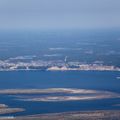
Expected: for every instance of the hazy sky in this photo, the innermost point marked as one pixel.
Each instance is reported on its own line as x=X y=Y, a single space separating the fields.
x=59 y=13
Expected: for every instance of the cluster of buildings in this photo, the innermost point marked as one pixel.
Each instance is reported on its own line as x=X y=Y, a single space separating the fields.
x=53 y=66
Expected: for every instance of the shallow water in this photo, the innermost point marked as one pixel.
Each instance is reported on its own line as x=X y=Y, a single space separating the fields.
x=95 y=80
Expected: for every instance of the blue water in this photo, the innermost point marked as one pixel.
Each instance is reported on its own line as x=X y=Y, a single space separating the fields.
x=32 y=108
x=67 y=79
x=105 y=47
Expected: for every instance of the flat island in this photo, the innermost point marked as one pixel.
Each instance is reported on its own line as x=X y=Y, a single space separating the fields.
x=4 y=109
x=58 y=94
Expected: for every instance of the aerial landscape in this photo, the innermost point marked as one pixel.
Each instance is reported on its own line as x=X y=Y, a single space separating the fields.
x=59 y=60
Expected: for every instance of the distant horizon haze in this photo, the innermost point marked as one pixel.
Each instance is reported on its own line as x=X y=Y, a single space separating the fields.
x=59 y=14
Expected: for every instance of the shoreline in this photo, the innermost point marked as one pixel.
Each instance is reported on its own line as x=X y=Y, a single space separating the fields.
x=78 y=115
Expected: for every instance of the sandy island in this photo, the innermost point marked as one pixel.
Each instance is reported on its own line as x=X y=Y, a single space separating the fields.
x=4 y=109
